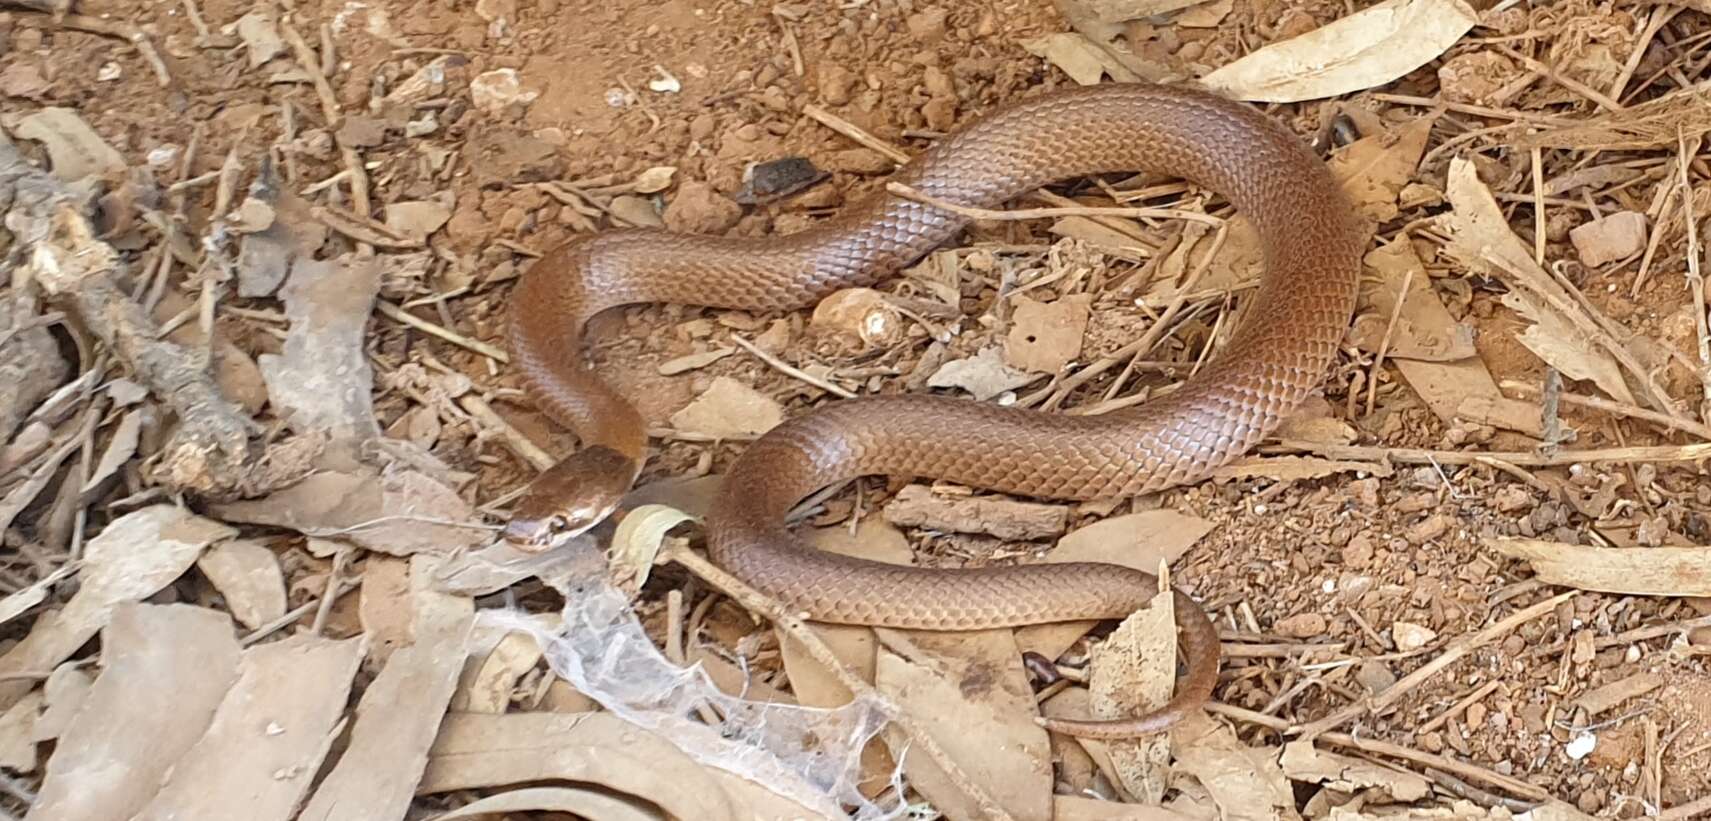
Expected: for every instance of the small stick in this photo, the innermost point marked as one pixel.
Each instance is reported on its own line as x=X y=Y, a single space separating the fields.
x=1418 y=456
x=107 y=28
x=1384 y=344
x=1652 y=632
x=394 y=312
x=854 y=132
x=1385 y=748
x=514 y=439
x=299 y=612
x=1617 y=409
x=311 y=65
x=796 y=628
x=787 y=369
x=1452 y=654
x=334 y=579
x=908 y=193
x=1538 y=163
x=1462 y=789
x=1456 y=709
x=1563 y=80
x=1695 y=278
x=1692 y=809
x=1477 y=110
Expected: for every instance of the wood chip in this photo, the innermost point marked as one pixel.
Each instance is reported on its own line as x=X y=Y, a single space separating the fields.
x=918 y=506
x=1597 y=702
x=1637 y=571
x=1610 y=238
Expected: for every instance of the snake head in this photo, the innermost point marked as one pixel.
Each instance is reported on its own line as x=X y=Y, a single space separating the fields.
x=570 y=498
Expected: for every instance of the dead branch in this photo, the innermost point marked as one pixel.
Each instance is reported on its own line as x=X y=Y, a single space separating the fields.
x=209 y=453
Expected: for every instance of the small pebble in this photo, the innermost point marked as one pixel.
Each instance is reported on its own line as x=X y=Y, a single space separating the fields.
x=1302 y=626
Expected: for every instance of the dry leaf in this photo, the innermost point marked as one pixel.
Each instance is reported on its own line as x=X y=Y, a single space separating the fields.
x=582 y=803
x=417 y=219
x=1134 y=672
x=1368 y=48
x=476 y=751
x=636 y=544
x=861 y=313
x=133 y=558
x=396 y=723
x=18 y=733
x=1455 y=390
x=1302 y=761
x=673 y=367
x=492 y=91
x=500 y=659
x=399 y=514
x=1084 y=62
x=119 y=450
x=164 y=671
x=1245 y=782
x=969 y=692
x=655 y=179
x=268 y=737
x=1636 y=571
x=1480 y=238
x=249 y=578
x=74 y=149
x=1081 y=808
x=1234 y=263
x=384 y=607
x=66 y=690
x=19 y=603
x=1599 y=701
x=983 y=375
x=261 y=37
x=1374 y=169
x=1121 y=11
x=1046 y=336
x=322 y=381
x=729 y=408
x=1205 y=15
x=1424 y=330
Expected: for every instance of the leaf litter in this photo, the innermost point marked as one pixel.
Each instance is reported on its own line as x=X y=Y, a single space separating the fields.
x=1529 y=297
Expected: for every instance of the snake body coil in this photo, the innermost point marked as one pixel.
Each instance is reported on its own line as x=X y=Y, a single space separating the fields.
x=1312 y=246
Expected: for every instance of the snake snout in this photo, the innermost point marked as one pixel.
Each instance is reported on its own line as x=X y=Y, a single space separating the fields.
x=570 y=498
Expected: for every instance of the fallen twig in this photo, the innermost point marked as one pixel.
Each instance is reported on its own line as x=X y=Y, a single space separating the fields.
x=209 y=451
x=908 y=193
x=1618 y=409
x=787 y=369
x=1457 y=649
x=1384 y=748
x=1419 y=456
x=106 y=28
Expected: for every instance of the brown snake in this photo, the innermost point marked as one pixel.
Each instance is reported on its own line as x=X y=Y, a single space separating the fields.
x=1279 y=354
